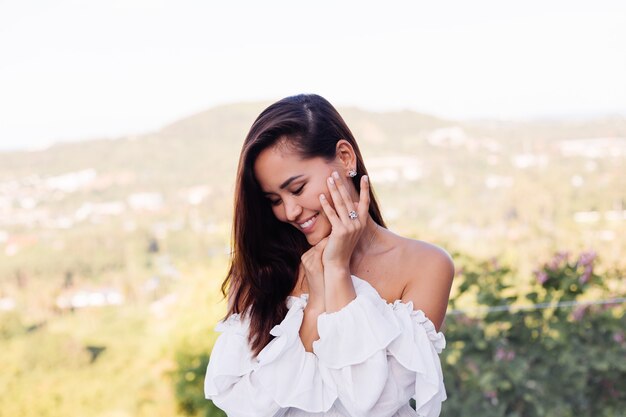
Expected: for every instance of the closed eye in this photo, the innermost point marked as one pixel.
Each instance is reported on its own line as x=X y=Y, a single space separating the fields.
x=299 y=190
x=296 y=192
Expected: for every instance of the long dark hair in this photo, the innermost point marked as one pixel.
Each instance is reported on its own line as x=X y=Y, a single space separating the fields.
x=266 y=252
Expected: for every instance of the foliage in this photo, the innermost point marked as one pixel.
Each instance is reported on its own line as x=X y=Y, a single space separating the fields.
x=193 y=340
x=51 y=371
x=526 y=362
x=189 y=379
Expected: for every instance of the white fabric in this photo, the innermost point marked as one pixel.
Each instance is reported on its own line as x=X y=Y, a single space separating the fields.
x=371 y=358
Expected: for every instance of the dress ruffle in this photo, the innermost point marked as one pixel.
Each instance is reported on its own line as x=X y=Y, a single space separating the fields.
x=235 y=359
x=356 y=332
x=283 y=371
x=368 y=328
x=417 y=349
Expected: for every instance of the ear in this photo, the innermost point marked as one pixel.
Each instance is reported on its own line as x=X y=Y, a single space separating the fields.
x=345 y=156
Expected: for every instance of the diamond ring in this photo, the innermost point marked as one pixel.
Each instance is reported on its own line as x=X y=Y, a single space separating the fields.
x=352 y=214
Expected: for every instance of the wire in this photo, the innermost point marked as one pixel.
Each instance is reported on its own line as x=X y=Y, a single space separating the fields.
x=540 y=306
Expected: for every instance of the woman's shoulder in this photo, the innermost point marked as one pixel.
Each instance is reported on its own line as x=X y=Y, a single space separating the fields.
x=427 y=271
x=426 y=253
x=415 y=256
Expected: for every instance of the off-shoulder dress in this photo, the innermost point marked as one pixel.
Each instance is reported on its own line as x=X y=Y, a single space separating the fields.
x=372 y=357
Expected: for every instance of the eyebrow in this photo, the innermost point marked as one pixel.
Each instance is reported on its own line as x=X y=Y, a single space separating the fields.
x=286 y=183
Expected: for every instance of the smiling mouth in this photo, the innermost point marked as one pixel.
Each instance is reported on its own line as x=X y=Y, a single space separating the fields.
x=307 y=224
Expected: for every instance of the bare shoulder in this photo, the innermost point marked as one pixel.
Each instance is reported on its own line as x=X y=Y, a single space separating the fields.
x=426 y=261
x=428 y=270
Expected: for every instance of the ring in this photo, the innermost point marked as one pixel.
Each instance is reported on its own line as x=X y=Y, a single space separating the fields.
x=352 y=214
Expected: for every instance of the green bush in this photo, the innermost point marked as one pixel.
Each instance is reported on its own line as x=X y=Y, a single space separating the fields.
x=189 y=378
x=548 y=360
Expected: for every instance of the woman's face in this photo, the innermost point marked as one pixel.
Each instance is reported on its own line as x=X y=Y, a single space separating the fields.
x=292 y=186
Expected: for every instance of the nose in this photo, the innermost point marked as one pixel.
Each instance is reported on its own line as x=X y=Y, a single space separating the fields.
x=292 y=210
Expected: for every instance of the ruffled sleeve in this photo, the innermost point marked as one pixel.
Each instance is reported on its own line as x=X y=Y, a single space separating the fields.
x=380 y=355
x=282 y=375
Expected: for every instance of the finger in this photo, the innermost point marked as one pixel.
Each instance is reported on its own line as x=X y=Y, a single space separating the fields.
x=343 y=191
x=340 y=205
x=364 y=197
x=330 y=213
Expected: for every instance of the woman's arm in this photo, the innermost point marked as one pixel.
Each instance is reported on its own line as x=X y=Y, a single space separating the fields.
x=429 y=285
x=308 y=330
x=338 y=288
x=313 y=272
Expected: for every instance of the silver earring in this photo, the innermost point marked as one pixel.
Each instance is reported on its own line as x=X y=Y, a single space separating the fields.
x=352 y=173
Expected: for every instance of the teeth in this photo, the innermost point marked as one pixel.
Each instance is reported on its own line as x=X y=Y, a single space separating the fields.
x=307 y=223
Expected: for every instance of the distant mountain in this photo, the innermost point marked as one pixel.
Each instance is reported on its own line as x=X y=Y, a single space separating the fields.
x=201 y=147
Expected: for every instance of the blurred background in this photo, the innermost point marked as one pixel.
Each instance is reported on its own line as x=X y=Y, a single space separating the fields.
x=496 y=130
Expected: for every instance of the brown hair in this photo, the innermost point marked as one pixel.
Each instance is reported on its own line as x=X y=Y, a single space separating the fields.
x=266 y=252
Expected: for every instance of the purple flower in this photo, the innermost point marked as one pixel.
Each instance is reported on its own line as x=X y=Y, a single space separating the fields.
x=494 y=263
x=471 y=365
x=609 y=305
x=564 y=255
x=553 y=265
x=587 y=258
x=586 y=274
x=503 y=354
x=557 y=260
x=579 y=313
x=542 y=276
x=618 y=337
x=492 y=396
x=466 y=321
x=500 y=354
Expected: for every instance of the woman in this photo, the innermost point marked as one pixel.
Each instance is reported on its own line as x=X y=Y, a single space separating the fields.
x=321 y=294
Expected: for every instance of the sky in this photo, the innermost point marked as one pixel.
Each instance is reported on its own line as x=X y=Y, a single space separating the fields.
x=77 y=70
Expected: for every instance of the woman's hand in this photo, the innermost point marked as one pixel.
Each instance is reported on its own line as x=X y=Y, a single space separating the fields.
x=314 y=273
x=346 y=232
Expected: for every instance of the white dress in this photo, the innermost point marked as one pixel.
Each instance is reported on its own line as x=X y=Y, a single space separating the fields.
x=370 y=359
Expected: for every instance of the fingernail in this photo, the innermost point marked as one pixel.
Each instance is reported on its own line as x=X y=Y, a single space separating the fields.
x=322 y=197
x=365 y=178
x=336 y=174
x=331 y=180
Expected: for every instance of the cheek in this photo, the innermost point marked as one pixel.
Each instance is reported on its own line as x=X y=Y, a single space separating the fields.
x=323 y=189
x=279 y=213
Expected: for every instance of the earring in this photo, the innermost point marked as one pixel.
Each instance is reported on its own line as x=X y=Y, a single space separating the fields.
x=352 y=173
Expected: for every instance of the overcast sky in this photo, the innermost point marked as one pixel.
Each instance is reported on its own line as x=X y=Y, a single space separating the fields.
x=74 y=70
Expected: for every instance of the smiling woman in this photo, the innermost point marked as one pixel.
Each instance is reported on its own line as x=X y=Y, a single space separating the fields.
x=329 y=311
